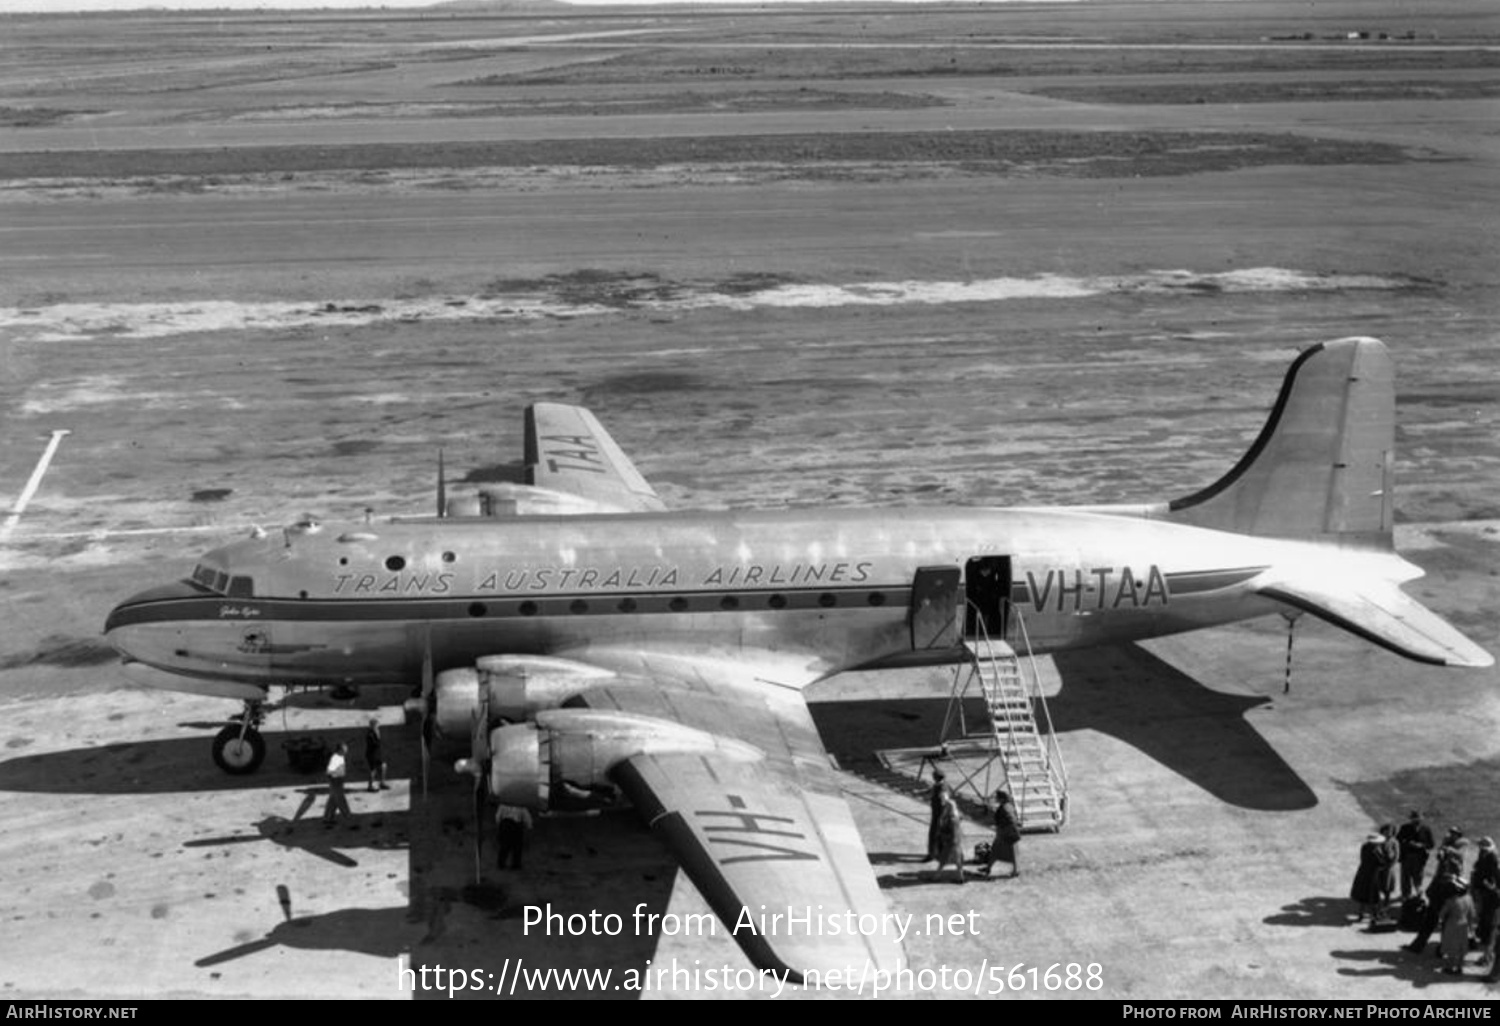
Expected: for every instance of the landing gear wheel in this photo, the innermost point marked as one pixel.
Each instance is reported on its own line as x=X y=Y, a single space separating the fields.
x=239 y=755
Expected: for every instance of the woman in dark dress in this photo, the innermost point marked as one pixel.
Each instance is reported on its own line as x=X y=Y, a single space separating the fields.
x=1368 y=878
x=1392 y=858
x=950 y=839
x=1007 y=834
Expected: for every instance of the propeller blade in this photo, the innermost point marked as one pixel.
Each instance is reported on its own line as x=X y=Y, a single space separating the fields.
x=480 y=793
x=442 y=491
x=429 y=700
x=479 y=754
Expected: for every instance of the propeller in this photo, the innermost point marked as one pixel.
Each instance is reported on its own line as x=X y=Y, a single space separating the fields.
x=481 y=796
x=429 y=708
x=423 y=707
x=481 y=757
x=478 y=766
x=442 y=489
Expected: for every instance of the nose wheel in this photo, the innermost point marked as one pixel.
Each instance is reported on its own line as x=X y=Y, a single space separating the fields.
x=238 y=748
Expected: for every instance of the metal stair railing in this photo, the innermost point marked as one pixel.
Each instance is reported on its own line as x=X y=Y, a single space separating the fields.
x=1057 y=767
x=959 y=743
x=1031 y=763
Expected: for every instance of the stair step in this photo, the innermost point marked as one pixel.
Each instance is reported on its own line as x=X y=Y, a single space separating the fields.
x=1014 y=737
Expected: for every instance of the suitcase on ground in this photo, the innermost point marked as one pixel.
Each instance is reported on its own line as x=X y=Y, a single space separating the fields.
x=1412 y=911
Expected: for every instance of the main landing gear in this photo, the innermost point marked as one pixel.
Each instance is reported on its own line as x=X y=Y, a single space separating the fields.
x=238 y=748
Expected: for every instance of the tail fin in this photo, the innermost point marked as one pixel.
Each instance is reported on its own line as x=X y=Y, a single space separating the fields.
x=1321 y=468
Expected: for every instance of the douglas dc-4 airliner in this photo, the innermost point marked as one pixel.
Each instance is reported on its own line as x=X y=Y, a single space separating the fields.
x=602 y=644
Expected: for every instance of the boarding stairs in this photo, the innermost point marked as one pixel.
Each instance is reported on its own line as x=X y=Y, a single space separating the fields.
x=1016 y=748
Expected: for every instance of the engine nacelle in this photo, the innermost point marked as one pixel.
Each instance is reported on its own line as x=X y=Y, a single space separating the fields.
x=519 y=772
x=564 y=760
x=542 y=769
x=520 y=686
x=456 y=697
x=515 y=687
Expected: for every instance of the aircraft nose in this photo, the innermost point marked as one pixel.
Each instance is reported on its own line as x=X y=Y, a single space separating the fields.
x=145 y=607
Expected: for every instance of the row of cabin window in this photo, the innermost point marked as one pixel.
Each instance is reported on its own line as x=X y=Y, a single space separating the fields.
x=678 y=604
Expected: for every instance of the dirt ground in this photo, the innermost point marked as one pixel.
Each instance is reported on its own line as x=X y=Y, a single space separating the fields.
x=261 y=265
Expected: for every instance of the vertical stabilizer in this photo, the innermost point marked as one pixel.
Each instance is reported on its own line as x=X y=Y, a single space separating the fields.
x=1321 y=468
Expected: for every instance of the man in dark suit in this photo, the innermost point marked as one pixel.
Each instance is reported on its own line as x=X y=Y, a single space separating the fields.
x=936 y=799
x=1416 y=840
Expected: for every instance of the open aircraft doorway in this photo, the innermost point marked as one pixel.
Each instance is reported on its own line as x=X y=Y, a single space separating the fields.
x=987 y=591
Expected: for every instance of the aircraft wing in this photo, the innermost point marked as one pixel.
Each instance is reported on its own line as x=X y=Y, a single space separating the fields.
x=568 y=451
x=769 y=842
x=1377 y=610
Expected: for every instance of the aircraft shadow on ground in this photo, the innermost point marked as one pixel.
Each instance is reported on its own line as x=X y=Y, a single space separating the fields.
x=306 y=831
x=384 y=933
x=179 y=764
x=594 y=866
x=609 y=864
x=1202 y=734
x=419 y=935
x=463 y=910
x=1123 y=691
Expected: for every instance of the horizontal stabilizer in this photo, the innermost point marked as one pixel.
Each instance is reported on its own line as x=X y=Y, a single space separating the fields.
x=1378 y=611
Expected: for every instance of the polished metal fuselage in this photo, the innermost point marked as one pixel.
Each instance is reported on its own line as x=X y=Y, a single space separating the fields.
x=822 y=590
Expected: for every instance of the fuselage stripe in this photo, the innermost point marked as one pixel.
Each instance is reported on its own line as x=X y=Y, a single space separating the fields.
x=477 y=607
x=486 y=606
x=1191 y=582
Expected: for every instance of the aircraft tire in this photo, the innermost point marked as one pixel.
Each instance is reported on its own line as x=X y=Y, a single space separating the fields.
x=238 y=756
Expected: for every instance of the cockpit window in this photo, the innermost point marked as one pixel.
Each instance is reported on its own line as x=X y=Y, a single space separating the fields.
x=219 y=582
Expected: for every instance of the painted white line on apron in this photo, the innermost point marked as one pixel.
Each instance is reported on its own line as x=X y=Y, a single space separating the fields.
x=31 y=486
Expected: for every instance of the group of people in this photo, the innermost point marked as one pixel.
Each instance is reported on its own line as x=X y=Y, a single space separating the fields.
x=1464 y=911
x=337 y=771
x=945 y=836
x=511 y=822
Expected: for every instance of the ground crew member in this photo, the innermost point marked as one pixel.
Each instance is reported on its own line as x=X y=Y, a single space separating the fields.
x=338 y=767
